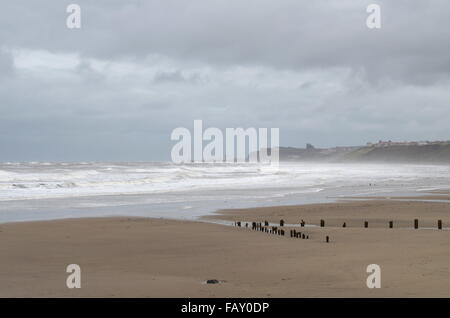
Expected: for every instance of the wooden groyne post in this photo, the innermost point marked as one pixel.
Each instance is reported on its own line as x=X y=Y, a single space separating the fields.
x=416 y=223
x=391 y=224
x=366 y=224
x=439 y=224
x=322 y=223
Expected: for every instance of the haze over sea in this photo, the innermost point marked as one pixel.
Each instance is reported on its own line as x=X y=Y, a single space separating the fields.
x=42 y=191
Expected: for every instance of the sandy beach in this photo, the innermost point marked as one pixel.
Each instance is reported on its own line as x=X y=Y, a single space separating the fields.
x=141 y=257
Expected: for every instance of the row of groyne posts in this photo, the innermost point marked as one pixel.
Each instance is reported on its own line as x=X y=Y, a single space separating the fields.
x=391 y=224
x=266 y=228
x=258 y=226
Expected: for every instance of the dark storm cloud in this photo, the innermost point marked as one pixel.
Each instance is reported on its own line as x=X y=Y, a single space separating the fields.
x=138 y=69
x=412 y=44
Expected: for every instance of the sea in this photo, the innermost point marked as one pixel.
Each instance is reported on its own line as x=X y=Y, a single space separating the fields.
x=34 y=191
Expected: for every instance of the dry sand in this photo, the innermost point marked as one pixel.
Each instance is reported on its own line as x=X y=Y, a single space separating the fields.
x=138 y=257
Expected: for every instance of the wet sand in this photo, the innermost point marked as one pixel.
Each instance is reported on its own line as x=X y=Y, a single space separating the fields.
x=354 y=213
x=138 y=257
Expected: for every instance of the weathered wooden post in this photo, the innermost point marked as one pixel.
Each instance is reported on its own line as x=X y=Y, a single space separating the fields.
x=281 y=222
x=303 y=236
x=391 y=224
x=282 y=232
x=302 y=223
x=266 y=223
x=439 y=224
x=416 y=223
x=366 y=224
x=344 y=225
x=322 y=223
x=327 y=239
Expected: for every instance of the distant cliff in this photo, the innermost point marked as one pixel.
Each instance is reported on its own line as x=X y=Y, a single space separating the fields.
x=428 y=153
x=394 y=152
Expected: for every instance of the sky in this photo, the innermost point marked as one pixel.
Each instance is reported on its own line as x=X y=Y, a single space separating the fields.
x=115 y=89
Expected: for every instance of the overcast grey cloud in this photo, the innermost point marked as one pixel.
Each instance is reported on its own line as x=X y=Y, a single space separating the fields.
x=115 y=89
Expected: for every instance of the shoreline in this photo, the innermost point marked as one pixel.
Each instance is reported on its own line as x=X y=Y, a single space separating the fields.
x=435 y=195
x=145 y=257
